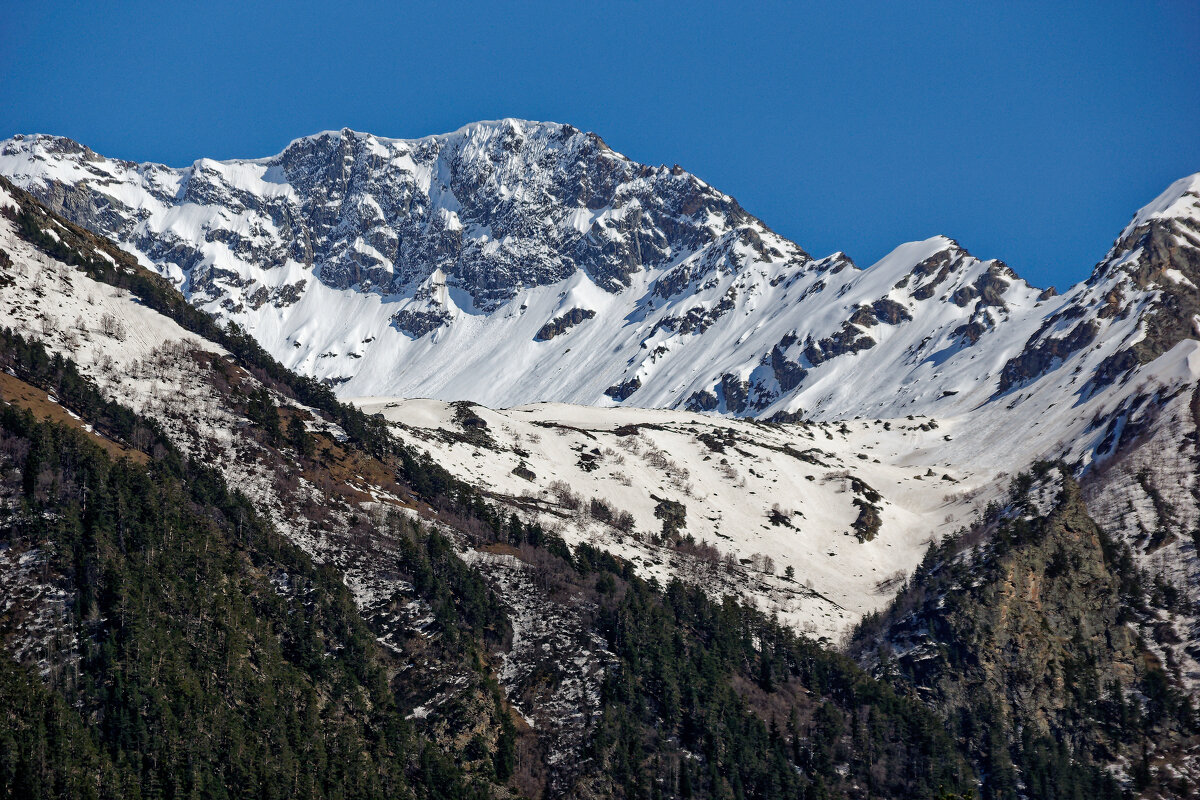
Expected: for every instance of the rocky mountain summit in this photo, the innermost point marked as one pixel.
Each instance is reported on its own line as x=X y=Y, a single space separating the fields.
x=511 y=262
x=968 y=481
x=499 y=206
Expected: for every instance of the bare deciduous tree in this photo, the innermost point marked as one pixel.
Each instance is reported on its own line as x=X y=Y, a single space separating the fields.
x=113 y=327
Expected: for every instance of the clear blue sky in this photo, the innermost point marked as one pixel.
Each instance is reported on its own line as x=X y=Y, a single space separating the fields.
x=1029 y=133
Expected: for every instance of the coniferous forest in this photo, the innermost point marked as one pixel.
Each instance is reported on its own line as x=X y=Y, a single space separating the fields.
x=757 y=526
x=200 y=655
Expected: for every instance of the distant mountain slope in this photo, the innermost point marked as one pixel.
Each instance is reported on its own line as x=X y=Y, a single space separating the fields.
x=813 y=522
x=511 y=262
x=215 y=580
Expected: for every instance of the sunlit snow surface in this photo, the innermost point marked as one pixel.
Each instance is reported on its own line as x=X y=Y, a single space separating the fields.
x=934 y=475
x=720 y=298
x=723 y=304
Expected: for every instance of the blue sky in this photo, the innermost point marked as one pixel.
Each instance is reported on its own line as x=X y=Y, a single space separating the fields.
x=1029 y=132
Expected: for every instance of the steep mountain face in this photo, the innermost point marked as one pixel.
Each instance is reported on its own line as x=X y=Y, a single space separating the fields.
x=500 y=206
x=511 y=262
x=1033 y=633
x=219 y=581
x=502 y=209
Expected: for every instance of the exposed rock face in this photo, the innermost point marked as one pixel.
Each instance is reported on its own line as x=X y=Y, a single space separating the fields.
x=430 y=267
x=418 y=323
x=1007 y=623
x=848 y=340
x=497 y=206
x=624 y=390
x=563 y=323
x=1039 y=358
x=702 y=401
x=889 y=311
x=788 y=373
x=1164 y=257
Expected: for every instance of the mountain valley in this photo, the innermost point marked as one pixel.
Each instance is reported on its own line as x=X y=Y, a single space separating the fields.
x=595 y=485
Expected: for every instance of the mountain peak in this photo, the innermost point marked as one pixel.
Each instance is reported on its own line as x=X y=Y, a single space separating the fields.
x=919 y=252
x=1180 y=200
x=512 y=242
x=43 y=144
x=478 y=127
x=1164 y=231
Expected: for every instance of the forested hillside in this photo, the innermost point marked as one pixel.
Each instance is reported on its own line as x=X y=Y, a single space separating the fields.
x=1025 y=633
x=183 y=613
x=220 y=581
x=174 y=643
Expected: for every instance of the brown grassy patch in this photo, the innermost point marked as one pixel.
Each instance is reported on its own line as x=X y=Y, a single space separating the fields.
x=19 y=393
x=501 y=549
x=346 y=471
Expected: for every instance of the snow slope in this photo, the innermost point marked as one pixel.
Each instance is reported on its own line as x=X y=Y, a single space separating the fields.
x=791 y=492
x=730 y=476
x=515 y=262
x=512 y=262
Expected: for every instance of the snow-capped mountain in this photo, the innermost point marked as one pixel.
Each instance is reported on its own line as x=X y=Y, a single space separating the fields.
x=347 y=245
x=928 y=381
x=511 y=262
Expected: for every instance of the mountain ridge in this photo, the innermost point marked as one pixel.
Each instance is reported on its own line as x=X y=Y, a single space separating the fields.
x=674 y=267
x=543 y=497
x=715 y=313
